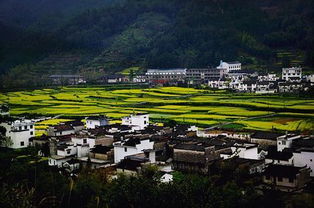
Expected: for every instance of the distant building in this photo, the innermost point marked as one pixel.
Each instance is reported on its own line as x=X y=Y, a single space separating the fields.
x=230 y=66
x=266 y=88
x=200 y=76
x=19 y=132
x=290 y=87
x=140 y=79
x=139 y=121
x=287 y=178
x=222 y=83
x=265 y=138
x=267 y=77
x=310 y=79
x=163 y=76
x=114 y=79
x=197 y=156
x=292 y=74
x=93 y=122
x=65 y=79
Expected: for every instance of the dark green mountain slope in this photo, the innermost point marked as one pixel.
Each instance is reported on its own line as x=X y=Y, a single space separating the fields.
x=183 y=33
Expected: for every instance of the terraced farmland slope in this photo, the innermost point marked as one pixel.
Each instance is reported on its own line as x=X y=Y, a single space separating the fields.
x=186 y=105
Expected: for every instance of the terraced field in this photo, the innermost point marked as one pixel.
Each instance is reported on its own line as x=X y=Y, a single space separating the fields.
x=186 y=105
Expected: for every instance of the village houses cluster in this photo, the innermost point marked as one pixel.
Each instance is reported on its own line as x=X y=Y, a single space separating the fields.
x=283 y=160
x=228 y=75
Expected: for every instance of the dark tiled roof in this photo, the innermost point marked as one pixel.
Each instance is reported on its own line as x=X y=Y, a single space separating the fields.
x=266 y=135
x=74 y=123
x=128 y=164
x=196 y=147
x=284 y=155
x=282 y=171
x=239 y=161
x=303 y=143
x=101 y=149
x=62 y=127
x=132 y=142
x=96 y=117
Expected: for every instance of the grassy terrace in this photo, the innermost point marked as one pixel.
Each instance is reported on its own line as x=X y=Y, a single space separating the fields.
x=187 y=105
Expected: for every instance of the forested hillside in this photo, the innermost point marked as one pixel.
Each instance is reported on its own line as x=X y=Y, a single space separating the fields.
x=113 y=35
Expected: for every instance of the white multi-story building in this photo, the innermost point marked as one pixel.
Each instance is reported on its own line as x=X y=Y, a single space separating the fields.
x=19 y=132
x=292 y=74
x=139 y=121
x=162 y=76
x=131 y=146
x=230 y=66
x=96 y=121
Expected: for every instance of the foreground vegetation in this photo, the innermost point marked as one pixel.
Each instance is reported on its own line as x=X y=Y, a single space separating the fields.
x=27 y=181
x=185 y=105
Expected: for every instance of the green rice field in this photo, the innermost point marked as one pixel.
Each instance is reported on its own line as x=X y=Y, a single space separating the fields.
x=184 y=105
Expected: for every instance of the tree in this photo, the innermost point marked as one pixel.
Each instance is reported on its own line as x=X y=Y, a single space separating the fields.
x=4 y=140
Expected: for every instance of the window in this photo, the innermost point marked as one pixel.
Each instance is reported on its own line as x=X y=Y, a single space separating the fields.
x=280 y=179
x=145 y=122
x=68 y=151
x=283 y=142
x=20 y=128
x=125 y=149
x=84 y=141
x=311 y=160
x=31 y=133
x=31 y=126
x=22 y=144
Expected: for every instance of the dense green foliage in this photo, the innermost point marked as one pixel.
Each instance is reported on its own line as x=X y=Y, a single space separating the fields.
x=26 y=181
x=178 y=33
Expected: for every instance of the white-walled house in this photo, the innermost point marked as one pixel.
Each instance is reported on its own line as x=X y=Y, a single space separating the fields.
x=58 y=161
x=242 y=150
x=83 y=140
x=304 y=157
x=139 y=121
x=279 y=158
x=268 y=77
x=246 y=151
x=19 y=132
x=230 y=66
x=96 y=121
x=60 y=130
x=291 y=74
x=66 y=152
x=265 y=88
x=303 y=153
x=131 y=146
x=285 y=141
